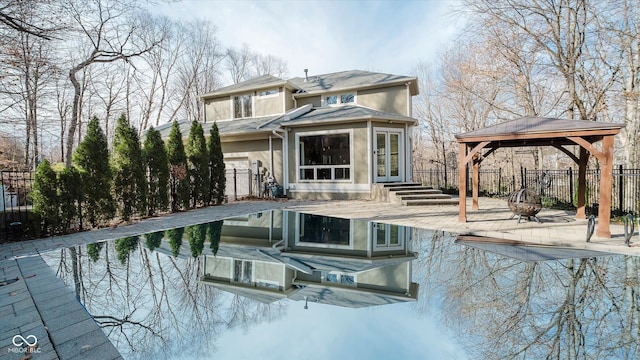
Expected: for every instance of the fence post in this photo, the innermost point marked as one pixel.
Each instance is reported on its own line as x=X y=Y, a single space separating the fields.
x=235 y=184
x=620 y=190
x=570 y=185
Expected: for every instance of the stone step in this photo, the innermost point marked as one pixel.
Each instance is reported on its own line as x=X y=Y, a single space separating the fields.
x=405 y=184
x=425 y=197
x=430 y=202
x=417 y=192
x=408 y=188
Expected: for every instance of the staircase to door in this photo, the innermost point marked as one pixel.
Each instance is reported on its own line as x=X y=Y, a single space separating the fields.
x=411 y=194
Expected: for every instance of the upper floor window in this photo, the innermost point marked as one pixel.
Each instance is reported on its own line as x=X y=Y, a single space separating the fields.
x=268 y=92
x=347 y=98
x=242 y=106
x=339 y=99
x=331 y=100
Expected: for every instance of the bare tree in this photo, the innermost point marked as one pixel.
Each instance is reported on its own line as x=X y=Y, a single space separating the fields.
x=111 y=34
x=43 y=24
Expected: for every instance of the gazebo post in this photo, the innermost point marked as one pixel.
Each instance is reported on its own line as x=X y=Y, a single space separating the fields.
x=582 y=180
x=606 y=179
x=462 y=183
x=475 y=182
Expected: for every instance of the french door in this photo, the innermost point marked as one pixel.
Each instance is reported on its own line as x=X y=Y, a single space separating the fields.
x=388 y=154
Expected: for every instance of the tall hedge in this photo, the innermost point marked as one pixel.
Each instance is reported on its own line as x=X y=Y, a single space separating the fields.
x=45 y=196
x=70 y=194
x=155 y=156
x=129 y=175
x=218 y=178
x=198 y=165
x=92 y=159
x=178 y=171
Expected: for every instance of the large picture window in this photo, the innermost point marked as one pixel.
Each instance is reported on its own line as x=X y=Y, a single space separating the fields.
x=325 y=157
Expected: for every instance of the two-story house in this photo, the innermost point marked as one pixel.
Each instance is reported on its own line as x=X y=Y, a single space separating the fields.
x=329 y=136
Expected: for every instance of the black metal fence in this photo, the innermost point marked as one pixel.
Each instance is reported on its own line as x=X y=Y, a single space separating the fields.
x=239 y=183
x=559 y=186
x=15 y=204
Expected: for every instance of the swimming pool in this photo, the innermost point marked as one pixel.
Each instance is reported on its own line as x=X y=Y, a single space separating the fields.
x=282 y=284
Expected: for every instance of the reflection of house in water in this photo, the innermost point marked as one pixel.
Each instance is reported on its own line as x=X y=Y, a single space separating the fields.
x=285 y=254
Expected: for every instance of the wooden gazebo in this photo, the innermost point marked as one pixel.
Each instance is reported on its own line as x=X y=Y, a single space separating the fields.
x=476 y=145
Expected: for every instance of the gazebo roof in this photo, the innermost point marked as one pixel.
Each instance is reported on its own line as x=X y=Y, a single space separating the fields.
x=539 y=128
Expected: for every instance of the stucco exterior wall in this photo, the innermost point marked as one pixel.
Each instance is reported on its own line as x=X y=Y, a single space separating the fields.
x=392 y=278
x=268 y=271
x=218 y=109
x=268 y=105
x=252 y=150
x=288 y=100
x=218 y=267
x=315 y=101
x=390 y=99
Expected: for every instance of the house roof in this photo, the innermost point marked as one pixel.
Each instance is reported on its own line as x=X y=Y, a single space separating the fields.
x=352 y=79
x=228 y=127
x=314 y=116
x=534 y=126
x=345 y=263
x=349 y=297
x=333 y=82
x=343 y=113
x=251 y=84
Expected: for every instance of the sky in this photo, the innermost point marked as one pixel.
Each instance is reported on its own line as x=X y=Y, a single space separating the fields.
x=330 y=36
x=323 y=331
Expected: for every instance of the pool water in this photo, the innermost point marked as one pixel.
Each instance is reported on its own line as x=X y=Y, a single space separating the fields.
x=287 y=285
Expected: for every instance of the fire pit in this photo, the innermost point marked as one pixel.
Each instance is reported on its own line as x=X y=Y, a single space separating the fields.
x=525 y=202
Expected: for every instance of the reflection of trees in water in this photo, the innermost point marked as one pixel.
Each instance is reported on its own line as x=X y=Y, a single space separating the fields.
x=152 y=306
x=505 y=308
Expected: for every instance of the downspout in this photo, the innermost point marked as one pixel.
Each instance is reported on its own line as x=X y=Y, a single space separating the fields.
x=409 y=107
x=408 y=170
x=285 y=150
x=204 y=111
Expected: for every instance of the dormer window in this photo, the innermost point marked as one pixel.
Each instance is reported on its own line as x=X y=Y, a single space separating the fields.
x=242 y=106
x=339 y=99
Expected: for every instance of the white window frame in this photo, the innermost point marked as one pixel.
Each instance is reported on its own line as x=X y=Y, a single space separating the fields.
x=274 y=94
x=333 y=168
x=339 y=276
x=242 y=102
x=242 y=268
x=387 y=245
x=323 y=99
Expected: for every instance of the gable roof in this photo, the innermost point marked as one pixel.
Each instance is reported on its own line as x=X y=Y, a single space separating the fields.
x=528 y=126
x=252 y=84
x=352 y=79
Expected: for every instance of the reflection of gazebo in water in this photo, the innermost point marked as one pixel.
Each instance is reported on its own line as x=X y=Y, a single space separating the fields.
x=535 y=131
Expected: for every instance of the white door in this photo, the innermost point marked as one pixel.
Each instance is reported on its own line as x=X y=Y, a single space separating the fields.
x=388 y=154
